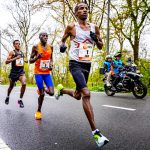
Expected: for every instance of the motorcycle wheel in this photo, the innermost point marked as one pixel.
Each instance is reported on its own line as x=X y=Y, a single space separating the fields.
x=108 y=92
x=140 y=91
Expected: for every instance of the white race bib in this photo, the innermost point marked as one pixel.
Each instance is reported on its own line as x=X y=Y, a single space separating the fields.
x=44 y=64
x=85 y=51
x=19 y=62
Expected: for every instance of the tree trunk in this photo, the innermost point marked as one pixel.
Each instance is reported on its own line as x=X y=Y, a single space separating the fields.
x=136 y=48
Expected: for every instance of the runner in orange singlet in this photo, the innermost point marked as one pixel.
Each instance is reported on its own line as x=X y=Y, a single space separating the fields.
x=42 y=57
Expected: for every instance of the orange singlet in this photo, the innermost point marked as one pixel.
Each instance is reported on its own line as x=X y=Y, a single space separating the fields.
x=42 y=64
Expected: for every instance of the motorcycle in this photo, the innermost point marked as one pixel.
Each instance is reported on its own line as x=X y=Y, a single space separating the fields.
x=129 y=81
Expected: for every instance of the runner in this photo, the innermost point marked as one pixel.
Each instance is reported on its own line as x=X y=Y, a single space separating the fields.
x=42 y=56
x=16 y=58
x=83 y=36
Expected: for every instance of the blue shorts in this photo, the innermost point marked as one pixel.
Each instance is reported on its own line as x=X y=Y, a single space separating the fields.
x=43 y=78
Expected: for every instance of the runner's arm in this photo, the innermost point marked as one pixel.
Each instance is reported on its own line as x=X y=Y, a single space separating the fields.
x=11 y=57
x=99 y=44
x=51 y=59
x=66 y=34
x=34 y=55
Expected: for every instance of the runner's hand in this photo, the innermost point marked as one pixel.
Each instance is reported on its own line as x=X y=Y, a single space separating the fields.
x=18 y=57
x=40 y=55
x=63 y=48
x=51 y=66
x=93 y=36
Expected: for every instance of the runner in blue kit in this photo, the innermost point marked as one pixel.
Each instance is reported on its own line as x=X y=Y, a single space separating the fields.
x=83 y=36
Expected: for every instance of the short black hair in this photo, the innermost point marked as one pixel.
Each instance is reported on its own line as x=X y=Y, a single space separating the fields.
x=42 y=33
x=77 y=6
x=15 y=41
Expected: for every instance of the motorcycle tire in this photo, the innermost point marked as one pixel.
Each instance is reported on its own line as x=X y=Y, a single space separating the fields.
x=144 y=90
x=108 y=92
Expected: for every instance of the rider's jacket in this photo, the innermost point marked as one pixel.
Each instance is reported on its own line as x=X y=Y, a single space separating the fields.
x=116 y=65
x=107 y=66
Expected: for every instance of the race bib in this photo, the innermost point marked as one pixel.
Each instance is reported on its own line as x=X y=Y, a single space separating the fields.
x=85 y=51
x=44 y=64
x=19 y=62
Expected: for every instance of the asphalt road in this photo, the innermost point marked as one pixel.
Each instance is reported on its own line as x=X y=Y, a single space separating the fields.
x=65 y=127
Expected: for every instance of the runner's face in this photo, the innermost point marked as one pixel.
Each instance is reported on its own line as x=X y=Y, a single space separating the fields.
x=82 y=12
x=44 y=37
x=17 y=45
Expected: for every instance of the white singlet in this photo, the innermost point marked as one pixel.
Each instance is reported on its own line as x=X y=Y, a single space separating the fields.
x=82 y=45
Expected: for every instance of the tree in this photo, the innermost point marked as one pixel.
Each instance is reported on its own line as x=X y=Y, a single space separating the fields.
x=130 y=20
x=22 y=12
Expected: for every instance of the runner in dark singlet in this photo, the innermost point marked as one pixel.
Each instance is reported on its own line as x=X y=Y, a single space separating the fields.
x=16 y=58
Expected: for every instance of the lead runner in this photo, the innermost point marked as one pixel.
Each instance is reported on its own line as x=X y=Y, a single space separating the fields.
x=83 y=36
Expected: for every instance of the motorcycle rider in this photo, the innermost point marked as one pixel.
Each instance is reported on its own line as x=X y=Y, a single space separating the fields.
x=132 y=66
x=107 y=69
x=116 y=64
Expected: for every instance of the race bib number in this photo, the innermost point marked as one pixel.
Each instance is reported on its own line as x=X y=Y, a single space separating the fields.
x=44 y=64
x=85 y=52
x=19 y=62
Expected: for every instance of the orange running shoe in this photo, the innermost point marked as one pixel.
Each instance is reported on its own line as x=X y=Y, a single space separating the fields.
x=38 y=115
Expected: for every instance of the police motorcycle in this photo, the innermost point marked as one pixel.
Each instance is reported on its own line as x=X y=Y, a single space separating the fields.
x=129 y=81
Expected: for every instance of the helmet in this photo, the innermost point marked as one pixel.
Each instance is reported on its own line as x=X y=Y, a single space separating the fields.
x=108 y=57
x=118 y=54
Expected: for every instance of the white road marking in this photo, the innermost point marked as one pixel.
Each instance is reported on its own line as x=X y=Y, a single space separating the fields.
x=3 y=146
x=49 y=97
x=130 y=109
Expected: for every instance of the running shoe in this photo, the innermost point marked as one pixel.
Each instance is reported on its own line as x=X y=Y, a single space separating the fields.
x=38 y=115
x=20 y=102
x=7 y=100
x=100 y=139
x=59 y=93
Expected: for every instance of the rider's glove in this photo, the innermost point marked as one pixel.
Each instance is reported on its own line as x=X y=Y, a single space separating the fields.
x=63 y=48
x=93 y=36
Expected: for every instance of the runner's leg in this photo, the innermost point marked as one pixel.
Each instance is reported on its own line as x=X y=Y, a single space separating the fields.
x=88 y=107
x=11 y=85
x=39 y=82
x=49 y=84
x=22 y=79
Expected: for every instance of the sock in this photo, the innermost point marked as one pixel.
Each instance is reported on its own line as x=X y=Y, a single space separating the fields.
x=93 y=132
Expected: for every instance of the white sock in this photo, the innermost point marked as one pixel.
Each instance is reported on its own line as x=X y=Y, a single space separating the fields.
x=93 y=132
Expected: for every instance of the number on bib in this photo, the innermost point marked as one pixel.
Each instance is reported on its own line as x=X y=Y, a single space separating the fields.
x=19 y=62
x=44 y=64
x=85 y=51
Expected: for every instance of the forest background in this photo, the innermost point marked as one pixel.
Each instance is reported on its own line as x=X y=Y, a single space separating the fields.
x=129 y=33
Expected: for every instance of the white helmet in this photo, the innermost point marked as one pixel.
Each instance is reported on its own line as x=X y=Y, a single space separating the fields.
x=108 y=57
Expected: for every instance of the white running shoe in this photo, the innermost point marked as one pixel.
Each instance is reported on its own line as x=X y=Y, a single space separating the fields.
x=100 y=139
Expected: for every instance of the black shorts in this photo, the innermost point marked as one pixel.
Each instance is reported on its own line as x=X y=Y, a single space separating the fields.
x=15 y=76
x=80 y=72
